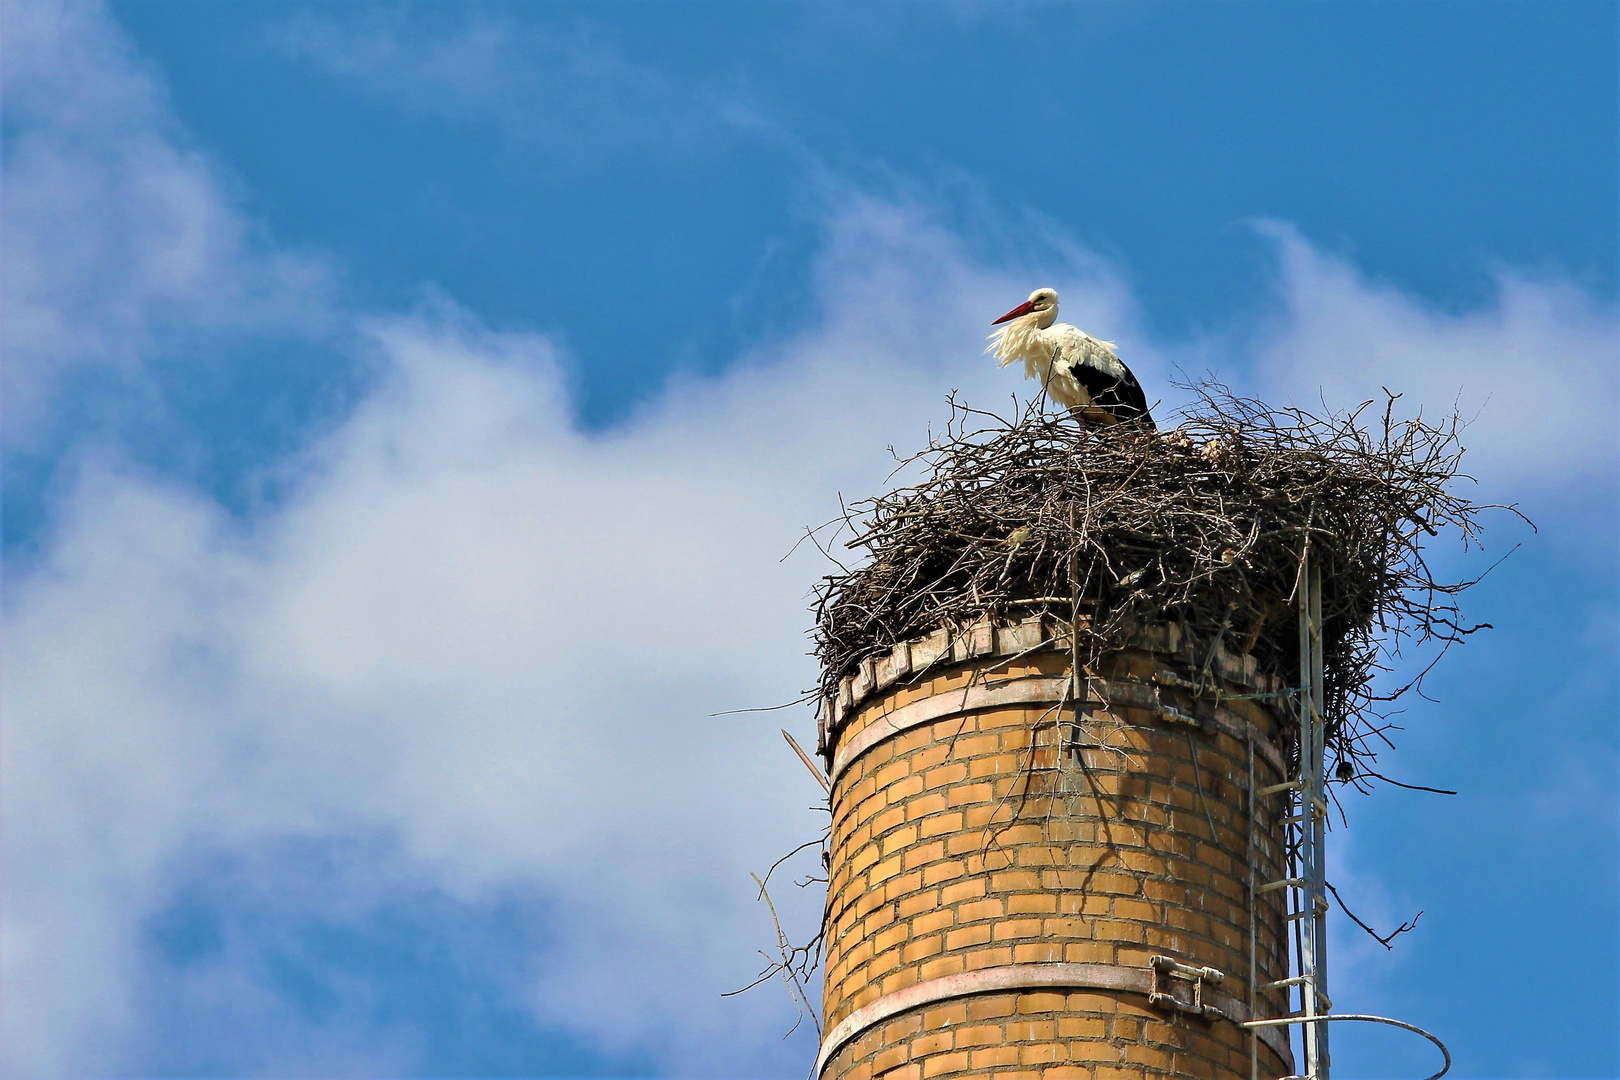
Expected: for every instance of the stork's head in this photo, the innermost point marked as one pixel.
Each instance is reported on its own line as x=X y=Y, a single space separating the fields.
x=1042 y=304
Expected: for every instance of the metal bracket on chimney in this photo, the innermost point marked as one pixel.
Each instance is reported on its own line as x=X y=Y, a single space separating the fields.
x=1167 y=975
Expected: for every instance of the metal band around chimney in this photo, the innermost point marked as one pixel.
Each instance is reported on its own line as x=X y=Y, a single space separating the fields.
x=1047 y=691
x=986 y=695
x=1021 y=978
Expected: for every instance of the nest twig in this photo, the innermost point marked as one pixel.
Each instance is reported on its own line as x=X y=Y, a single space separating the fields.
x=1203 y=525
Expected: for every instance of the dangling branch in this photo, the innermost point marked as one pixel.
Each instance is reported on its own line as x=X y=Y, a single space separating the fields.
x=1382 y=939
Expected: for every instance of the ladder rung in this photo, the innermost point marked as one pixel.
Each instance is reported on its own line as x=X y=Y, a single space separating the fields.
x=1274 y=788
x=1301 y=980
x=1285 y=883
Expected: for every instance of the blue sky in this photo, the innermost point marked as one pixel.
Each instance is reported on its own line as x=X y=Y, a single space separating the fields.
x=406 y=409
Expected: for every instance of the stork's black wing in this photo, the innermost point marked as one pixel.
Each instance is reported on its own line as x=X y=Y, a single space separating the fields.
x=1122 y=397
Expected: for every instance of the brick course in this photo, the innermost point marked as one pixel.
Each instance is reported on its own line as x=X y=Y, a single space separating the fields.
x=1019 y=834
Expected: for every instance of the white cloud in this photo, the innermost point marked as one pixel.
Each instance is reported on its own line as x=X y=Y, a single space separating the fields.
x=117 y=231
x=570 y=89
x=483 y=632
x=1539 y=368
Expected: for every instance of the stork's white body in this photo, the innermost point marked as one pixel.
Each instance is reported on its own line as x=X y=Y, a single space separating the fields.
x=1051 y=353
x=1074 y=368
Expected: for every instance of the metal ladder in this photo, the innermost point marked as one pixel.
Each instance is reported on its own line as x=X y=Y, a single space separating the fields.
x=1307 y=828
x=1307 y=888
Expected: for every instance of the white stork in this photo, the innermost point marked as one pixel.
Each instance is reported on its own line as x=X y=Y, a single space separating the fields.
x=1075 y=368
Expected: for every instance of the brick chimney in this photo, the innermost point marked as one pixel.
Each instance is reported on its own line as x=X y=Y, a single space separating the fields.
x=1040 y=877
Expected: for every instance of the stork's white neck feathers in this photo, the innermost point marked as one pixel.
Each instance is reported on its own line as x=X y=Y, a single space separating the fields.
x=1021 y=339
x=1037 y=338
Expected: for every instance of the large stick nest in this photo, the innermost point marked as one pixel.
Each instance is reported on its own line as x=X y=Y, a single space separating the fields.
x=1204 y=525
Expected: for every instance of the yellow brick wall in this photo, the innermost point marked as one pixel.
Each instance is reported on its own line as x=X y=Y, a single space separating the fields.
x=1004 y=836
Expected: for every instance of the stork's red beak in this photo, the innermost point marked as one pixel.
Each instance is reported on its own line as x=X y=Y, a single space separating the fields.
x=1022 y=309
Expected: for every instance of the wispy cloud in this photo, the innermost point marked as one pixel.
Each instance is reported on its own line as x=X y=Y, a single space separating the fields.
x=481 y=632
x=119 y=234
x=1538 y=371
x=569 y=89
